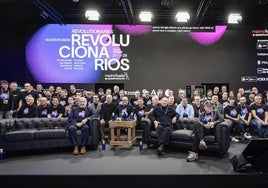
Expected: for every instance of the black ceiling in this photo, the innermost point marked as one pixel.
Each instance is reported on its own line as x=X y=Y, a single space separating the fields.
x=203 y=12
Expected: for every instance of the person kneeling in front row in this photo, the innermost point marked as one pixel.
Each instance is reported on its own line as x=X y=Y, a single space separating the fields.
x=79 y=120
x=206 y=125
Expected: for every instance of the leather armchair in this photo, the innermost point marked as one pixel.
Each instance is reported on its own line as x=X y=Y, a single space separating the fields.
x=182 y=136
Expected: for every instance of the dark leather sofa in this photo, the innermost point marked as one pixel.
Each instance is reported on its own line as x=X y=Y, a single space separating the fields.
x=21 y=134
x=182 y=136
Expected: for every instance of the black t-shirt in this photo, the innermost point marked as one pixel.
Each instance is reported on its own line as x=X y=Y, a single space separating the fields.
x=6 y=100
x=243 y=111
x=147 y=101
x=42 y=111
x=260 y=110
x=231 y=111
x=56 y=111
x=27 y=111
x=140 y=112
x=23 y=95
x=64 y=101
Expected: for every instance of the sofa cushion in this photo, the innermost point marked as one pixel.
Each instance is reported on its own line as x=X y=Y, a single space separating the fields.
x=182 y=134
x=21 y=135
x=50 y=133
x=210 y=138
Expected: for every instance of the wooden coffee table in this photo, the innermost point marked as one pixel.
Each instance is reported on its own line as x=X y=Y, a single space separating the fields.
x=118 y=140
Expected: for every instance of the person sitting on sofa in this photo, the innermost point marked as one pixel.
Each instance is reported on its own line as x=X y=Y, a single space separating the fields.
x=184 y=109
x=79 y=119
x=163 y=118
x=206 y=124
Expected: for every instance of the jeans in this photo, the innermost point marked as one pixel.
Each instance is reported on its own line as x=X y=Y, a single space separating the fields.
x=257 y=126
x=84 y=133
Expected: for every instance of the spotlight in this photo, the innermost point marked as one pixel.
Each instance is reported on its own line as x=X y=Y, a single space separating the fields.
x=182 y=17
x=92 y=15
x=145 y=16
x=234 y=18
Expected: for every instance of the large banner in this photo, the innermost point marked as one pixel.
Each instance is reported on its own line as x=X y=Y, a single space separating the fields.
x=144 y=56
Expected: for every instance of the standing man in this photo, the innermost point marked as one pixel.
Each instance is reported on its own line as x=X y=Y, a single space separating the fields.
x=79 y=120
x=6 y=101
x=106 y=114
x=163 y=118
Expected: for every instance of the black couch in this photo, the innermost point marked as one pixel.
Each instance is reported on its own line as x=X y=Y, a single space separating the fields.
x=20 y=134
x=182 y=136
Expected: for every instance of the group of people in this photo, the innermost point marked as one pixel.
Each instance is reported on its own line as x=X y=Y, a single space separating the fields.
x=246 y=113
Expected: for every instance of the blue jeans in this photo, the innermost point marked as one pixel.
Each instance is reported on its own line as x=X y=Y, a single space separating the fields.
x=257 y=125
x=84 y=133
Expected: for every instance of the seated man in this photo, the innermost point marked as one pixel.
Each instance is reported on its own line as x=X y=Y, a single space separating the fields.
x=184 y=109
x=79 y=119
x=163 y=118
x=206 y=124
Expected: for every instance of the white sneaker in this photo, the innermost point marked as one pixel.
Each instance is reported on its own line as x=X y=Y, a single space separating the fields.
x=247 y=136
x=234 y=139
x=192 y=156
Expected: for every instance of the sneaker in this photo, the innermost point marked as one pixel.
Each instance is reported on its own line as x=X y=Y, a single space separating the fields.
x=161 y=150
x=247 y=136
x=234 y=139
x=202 y=145
x=192 y=156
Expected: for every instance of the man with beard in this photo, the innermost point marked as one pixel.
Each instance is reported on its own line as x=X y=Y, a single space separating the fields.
x=79 y=120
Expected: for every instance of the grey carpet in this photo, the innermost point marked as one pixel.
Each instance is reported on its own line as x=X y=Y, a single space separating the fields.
x=119 y=161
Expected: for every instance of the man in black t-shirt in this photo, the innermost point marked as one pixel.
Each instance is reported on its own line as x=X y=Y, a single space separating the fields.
x=29 y=92
x=6 y=101
x=260 y=117
x=43 y=108
x=56 y=110
x=29 y=109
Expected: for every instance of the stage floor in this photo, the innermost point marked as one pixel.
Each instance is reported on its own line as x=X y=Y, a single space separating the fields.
x=120 y=161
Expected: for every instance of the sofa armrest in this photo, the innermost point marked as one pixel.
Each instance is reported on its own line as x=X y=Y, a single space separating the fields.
x=6 y=125
x=147 y=128
x=94 y=125
x=223 y=136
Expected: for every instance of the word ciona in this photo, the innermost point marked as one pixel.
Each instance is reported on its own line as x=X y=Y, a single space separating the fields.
x=96 y=46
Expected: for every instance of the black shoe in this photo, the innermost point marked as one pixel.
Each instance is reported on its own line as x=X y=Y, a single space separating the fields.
x=161 y=150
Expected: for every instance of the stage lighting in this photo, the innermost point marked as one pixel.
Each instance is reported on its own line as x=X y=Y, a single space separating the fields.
x=145 y=16
x=92 y=15
x=182 y=17
x=234 y=18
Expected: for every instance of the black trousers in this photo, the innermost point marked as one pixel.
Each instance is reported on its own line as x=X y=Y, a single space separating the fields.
x=199 y=133
x=163 y=134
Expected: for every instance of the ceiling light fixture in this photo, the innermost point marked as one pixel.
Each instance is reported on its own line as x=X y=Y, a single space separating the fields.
x=145 y=16
x=92 y=15
x=234 y=18
x=182 y=17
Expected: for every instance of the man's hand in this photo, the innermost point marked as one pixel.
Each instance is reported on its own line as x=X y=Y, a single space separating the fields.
x=84 y=121
x=79 y=124
x=156 y=123
x=174 y=120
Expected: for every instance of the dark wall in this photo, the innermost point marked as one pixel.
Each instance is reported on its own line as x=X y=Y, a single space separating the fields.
x=157 y=60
